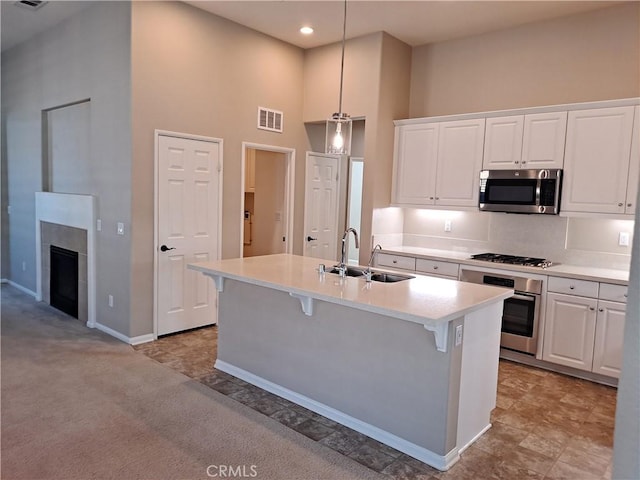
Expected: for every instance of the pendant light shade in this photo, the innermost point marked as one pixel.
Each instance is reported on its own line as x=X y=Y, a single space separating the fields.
x=338 y=132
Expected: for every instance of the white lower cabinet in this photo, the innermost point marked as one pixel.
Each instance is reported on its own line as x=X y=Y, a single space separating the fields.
x=585 y=332
x=570 y=330
x=395 y=261
x=607 y=350
x=423 y=266
x=437 y=268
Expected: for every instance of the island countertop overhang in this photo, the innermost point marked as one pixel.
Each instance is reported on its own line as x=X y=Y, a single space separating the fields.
x=423 y=299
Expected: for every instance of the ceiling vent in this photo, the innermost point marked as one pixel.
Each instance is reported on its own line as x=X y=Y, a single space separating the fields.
x=32 y=5
x=270 y=119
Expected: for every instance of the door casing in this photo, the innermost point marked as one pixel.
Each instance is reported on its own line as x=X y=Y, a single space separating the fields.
x=290 y=158
x=156 y=246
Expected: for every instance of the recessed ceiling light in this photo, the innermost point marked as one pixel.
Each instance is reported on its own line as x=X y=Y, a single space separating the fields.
x=306 y=30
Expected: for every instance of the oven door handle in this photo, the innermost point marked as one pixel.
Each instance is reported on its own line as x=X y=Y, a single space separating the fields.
x=521 y=296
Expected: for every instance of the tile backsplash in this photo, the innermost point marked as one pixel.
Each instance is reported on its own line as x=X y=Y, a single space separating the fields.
x=578 y=241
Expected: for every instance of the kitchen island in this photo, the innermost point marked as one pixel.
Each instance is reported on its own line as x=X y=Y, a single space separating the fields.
x=413 y=364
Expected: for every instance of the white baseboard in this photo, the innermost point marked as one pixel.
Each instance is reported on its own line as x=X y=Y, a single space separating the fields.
x=129 y=340
x=142 y=339
x=20 y=287
x=427 y=456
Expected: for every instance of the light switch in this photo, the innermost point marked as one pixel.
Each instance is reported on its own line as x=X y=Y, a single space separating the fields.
x=120 y=228
x=99 y=225
x=623 y=239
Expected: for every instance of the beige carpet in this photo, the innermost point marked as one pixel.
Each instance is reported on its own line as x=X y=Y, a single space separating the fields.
x=78 y=404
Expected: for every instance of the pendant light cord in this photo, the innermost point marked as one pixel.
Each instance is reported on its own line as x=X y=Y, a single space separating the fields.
x=344 y=34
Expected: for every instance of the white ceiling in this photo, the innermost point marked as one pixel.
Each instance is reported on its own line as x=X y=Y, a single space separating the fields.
x=415 y=22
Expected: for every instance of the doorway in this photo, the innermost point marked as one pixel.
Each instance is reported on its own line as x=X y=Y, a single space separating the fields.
x=267 y=200
x=188 y=200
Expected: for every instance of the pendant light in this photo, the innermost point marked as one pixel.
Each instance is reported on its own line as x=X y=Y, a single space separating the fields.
x=338 y=133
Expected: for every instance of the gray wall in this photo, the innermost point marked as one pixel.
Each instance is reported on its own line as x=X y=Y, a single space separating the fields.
x=626 y=461
x=578 y=58
x=197 y=73
x=86 y=56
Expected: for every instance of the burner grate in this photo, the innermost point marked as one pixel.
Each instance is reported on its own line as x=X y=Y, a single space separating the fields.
x=512 y=259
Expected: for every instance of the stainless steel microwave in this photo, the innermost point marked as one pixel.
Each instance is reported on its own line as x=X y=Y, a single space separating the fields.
x=520 y=191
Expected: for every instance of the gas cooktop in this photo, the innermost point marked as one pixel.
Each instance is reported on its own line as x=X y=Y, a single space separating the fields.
x=512 y=260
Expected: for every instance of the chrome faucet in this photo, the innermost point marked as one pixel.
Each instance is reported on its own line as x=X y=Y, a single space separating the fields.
x=367 y=272
x=342 y=268
x=373 y=252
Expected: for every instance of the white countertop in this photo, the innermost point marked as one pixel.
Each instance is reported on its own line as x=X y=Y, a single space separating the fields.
x=423 y=299
x=619 y=277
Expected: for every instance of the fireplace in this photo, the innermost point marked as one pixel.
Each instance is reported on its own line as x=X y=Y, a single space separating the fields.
x=63 y=280
x=67 y=221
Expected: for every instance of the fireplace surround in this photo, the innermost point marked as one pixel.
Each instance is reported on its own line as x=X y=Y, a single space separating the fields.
x=67 y=221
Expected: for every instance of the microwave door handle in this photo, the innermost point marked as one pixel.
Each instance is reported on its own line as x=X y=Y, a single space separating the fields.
x=538 y=188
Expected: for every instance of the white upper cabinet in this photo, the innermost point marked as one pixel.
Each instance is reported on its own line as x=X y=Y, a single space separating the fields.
x=525 y=141
x=503 y=143
x=597 y=160
x=459 y=163
x=543 y=141
x=438 y=163
x=634 y=167
x=414 y=164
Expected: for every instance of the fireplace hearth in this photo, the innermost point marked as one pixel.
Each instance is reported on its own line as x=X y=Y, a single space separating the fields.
x=64 y=280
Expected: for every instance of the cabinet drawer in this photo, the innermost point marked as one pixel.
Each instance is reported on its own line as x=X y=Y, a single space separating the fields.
x=583 y=288
x=396 y=261
x=437 y=267
x=613 y=293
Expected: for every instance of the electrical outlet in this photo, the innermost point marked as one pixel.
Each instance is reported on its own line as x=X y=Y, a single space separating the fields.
x=111 y=300
x=24 y=266
x=8 y=209
x=458 y=335
x=623 y=239
x=99 y=225
x=120 y=228
x=447 y=225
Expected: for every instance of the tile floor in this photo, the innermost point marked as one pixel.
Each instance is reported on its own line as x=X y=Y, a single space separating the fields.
x=545 y=425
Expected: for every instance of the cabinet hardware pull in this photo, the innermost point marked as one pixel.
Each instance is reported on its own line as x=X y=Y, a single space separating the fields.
x=591 y=308
x=571 y=287
x=629 y=204
x=620 y=204
x=435 y=267
x=601 y=309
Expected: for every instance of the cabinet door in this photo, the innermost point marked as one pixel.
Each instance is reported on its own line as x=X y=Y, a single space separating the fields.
x=607 y=350
x=569 y=330
x=503 y=143
x=597 y=160
x=414 y=165
x=634 y=166
x=543 y=140
x=459 y=162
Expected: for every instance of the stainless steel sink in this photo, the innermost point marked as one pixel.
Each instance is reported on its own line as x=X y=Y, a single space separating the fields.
x=389 y=277
x=351 y=271
x=376 y=276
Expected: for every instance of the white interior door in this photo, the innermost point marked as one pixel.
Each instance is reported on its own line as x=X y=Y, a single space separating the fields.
x=321 y=206
x=188 y=218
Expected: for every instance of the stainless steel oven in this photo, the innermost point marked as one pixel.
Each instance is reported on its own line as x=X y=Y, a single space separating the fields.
x=521 y=313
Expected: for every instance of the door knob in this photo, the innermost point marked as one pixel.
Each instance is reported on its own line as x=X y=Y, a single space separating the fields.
x=310 y=238
x=164 y=248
